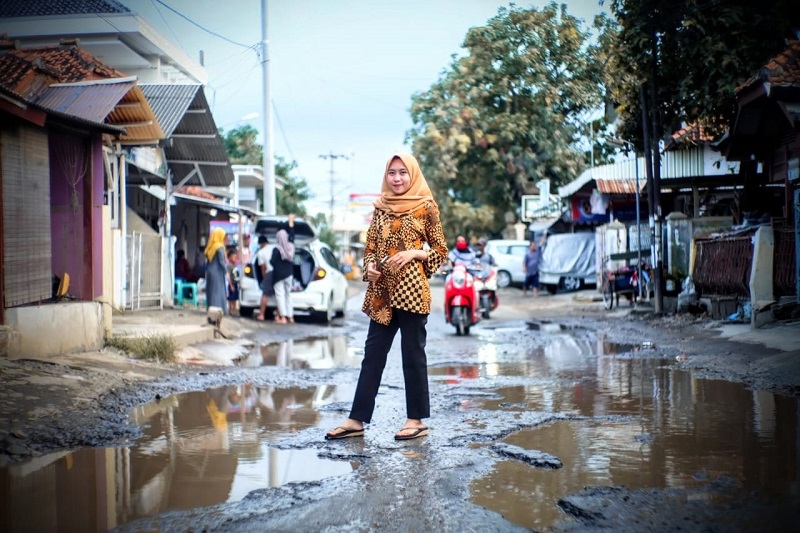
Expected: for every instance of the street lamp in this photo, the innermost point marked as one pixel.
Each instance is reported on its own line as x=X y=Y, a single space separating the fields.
x=620 y=143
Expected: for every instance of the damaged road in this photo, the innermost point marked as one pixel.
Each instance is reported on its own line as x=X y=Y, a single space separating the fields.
x=551 y=416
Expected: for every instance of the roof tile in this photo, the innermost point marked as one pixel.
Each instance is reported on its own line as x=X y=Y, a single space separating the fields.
x=44 y=8
x=28 y=72
x=782 y=70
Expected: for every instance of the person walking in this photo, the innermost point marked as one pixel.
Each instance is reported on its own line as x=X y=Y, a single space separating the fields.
x=398 y=297
x=216 y=271
x=282 y=262
x=530 y=266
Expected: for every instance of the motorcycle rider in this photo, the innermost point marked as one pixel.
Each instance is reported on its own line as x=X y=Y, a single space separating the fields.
x=485 y=259
x=462 y=254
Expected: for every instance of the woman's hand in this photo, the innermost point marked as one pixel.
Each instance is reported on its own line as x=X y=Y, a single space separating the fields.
x=373 y=274
x=401 y=259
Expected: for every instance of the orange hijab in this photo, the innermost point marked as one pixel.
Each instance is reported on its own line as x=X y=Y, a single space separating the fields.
x=416 y=196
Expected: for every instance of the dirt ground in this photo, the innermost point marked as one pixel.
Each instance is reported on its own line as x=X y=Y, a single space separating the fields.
x=85 y=399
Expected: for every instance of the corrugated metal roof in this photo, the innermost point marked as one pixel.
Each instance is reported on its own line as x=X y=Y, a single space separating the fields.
x=91 y=102
x=135 y=114
x=619 y=186
x=169 y=102
x=73 y=82
x=42 y=8
x=195 y=149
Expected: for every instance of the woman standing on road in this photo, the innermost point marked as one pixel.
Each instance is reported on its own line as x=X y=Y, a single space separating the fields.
x=282 y=262
x=398 y=296
x=217 y=270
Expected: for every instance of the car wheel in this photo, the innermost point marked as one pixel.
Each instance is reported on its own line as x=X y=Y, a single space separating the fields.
x=571 y=283
x=503 y=279
x=328 y=314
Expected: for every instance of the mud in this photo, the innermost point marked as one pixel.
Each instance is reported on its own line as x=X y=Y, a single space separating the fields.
x=87 y=400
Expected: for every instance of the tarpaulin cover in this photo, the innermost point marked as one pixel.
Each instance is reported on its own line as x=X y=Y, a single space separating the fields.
x=569 y=255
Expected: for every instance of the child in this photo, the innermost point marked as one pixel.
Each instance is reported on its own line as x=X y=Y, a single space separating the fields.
x=233 y=281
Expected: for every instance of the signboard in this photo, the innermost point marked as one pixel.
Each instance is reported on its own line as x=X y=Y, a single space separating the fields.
x=533 y=208
x=362 y=199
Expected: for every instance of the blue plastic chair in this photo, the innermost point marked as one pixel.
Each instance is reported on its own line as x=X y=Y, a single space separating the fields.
x=189 y=294
x=177 y=294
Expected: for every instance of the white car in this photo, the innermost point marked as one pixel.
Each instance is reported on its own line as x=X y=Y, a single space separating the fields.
x=509 y=255
x=320 y=287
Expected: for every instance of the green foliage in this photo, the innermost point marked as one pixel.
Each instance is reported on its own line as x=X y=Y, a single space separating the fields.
x=695 y=54
x=508 y=113
x=242 y=149
x=241 y=146
x=159 y=347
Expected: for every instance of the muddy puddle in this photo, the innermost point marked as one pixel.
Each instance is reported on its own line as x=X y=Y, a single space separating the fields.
x=198 y=449
x=315 y=352
x=675 y=431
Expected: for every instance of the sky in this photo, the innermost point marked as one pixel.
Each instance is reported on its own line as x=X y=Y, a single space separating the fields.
x=342 y=73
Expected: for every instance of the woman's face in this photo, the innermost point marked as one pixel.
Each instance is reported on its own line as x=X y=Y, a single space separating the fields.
x=397 y=177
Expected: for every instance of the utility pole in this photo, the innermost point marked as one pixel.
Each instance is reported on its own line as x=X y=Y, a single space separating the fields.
x=268 y=158
x=332 y=157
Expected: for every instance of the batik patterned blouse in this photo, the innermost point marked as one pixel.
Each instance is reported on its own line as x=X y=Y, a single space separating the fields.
x=407 y=289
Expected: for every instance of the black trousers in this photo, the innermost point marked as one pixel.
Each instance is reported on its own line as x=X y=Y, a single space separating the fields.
x=415 y=365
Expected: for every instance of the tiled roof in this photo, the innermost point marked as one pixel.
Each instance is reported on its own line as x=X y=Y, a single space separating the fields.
x=42 y=8
x=782 y=70
x=29 y=72
x=693 y=133
x=196 y=191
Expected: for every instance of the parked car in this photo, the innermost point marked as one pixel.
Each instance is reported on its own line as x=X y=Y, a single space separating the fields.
x=320 y=287
x=508 y=254
x=568 y=262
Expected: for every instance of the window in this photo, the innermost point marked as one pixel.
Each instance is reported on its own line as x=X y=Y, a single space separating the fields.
x=329 y=258
x=517 y=251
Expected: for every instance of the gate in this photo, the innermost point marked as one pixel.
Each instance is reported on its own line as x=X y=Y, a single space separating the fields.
x=144 y=274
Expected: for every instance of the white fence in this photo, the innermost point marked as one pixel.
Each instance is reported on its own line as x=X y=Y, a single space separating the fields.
x=144 y=275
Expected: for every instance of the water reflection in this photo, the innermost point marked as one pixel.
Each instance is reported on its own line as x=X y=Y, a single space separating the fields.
x=316 y=352
x=198 y=449
x=684 y=432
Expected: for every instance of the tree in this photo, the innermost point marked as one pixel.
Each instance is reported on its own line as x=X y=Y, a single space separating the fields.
x=242 y=149
x=507 y=114
x=294 y=192
x=241 y=146
x=691 y=56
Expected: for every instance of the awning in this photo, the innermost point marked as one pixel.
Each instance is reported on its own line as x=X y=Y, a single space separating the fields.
x=160 y=193
x=195 y=151
x=538 y=226
x=115 y=101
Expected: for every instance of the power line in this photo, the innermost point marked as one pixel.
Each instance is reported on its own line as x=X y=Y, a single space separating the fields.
x=190 y=21
x=283 y=133
x=161 y=15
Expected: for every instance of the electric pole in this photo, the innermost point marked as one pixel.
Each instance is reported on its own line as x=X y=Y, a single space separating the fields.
x=332 y=157
x=268 y=159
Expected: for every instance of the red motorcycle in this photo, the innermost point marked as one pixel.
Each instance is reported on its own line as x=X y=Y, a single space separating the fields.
x=461 y=300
